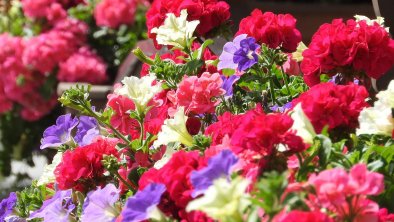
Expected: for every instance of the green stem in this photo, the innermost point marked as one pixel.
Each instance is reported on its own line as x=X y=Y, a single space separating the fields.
x=123 y=181
x=286 y=84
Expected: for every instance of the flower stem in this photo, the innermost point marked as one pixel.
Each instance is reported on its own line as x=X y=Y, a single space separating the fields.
x=286 y=84
x=124 y=181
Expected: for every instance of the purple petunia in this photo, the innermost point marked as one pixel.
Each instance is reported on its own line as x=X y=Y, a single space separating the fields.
x=87 y=130
x=218 y=166
x=283 y=108
x=99 y=204
x=143 y=203
x=240 y=53
x=57 y=208
x=60 y=133
x=7 y=205
x=228 y=84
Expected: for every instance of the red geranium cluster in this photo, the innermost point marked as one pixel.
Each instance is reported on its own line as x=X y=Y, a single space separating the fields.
x=81 y=168
x=348 y=48
x=175 y=175
x=210 y=13
x=331 y=105
x=272 y=30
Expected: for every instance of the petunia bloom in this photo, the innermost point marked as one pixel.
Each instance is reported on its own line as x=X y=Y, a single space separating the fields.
x=57 y=208
x=218 y=166
x=99 y=204
x=241 y=53
x=87 y=130
x=7 y=206
x=176 y=31
x=60 y=133
x=143 y=205
x=228 y=84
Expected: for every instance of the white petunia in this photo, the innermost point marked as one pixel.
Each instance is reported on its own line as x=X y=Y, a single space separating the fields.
x=140 y=90
x=174 y=130
x=379 y=20
x=302 y=125
x=223 y=200
x=48 y=176
x=176 y=31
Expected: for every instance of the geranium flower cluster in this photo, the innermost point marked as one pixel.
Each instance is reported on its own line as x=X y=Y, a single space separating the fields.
x=352 y=48
x=185 y=142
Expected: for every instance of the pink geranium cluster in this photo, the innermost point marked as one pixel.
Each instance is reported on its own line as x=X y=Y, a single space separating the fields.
x=335 y=106
x=345 y=194
x=198 y=95
x=113 y=13
x=351 y=48
x=272 y=30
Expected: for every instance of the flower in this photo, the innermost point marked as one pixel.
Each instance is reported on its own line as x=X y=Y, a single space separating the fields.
x=282 y=109
x=302 y=216
x=198 y=94
x=228 y=84
x=223 y=200
x=140 y=90
x=272 y=30
x=59 y=134
x=7 y=205
x=99 y=204
x=379 y=20
x=210 y=13
x=81 y=168
x=57 y=208
x=143 y=205
x=218 y=166
x=36 y=8
x=335 y=106
x=176 y=31
x=87 y=130
x=302 y=125
x=48 y=176
x=174 y=130
x=240 y=53
x=113 y=13
x=83 y=66
x=379 y=118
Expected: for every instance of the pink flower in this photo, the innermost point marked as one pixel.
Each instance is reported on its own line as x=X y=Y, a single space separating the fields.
x=113 y=13
x=361 y=181
x=73 y=30
x=83 y=66
x=291 y=66
x=302 y=216
x=198 y=94
x=36 y=8
x=55 y=13
x=45 y=51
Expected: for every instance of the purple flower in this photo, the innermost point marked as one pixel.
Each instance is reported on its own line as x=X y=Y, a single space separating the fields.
x=240 y=53
x=60 y=133
x=143 y=203
x=87 y=130
x=7 y=205
x=14 y=218
x=228 y=84
x=218 y=166
x=99 y=204
x=57 y=208
x=283 y=108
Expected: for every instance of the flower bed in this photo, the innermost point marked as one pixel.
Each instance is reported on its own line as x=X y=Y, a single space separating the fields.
x=247 y=135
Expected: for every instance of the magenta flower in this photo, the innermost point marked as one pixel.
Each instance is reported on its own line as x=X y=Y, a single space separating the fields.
x=218 y=166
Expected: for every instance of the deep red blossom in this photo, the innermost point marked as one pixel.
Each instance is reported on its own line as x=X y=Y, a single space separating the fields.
x=333 y=105
x=210 y=13
x=81 y=168
x=350 y=48
x=226 y=125
x=271 y=29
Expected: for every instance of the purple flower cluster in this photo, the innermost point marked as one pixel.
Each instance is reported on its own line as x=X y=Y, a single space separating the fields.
x=61 y=133
x=7 y=205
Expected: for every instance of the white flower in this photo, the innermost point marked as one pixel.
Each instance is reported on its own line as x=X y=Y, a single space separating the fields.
x=174 y=130
x=223 y=200
x=302 y=125
x=379 y=118
x=379 y=20
x=175 y=31
x=140 y=90
x=48 y=176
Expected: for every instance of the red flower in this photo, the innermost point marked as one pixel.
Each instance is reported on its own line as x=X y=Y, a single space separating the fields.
x=226 y=125
x=273 y=30
x=351 y=48
x=333 y=105
x=302 y=216
x=210 y=13
x=81 y=168
x=175 y=175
